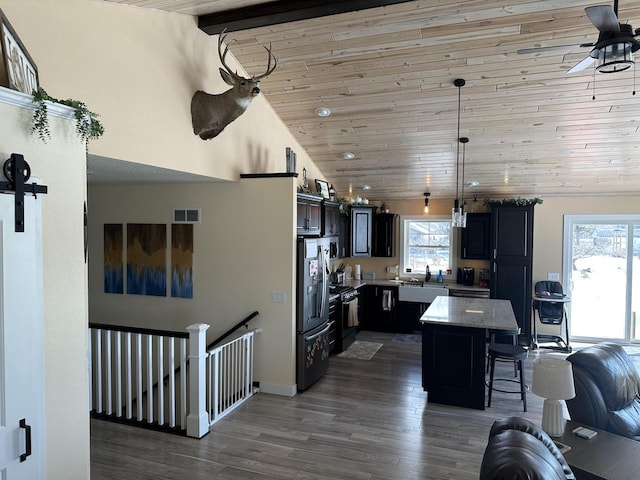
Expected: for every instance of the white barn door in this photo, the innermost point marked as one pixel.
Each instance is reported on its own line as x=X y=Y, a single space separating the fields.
x=21 y=343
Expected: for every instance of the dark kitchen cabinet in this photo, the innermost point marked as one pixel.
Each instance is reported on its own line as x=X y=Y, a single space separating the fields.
x=409 y=313
x=476 y=237
x=381 y=308
x=343 y=236
x=384 y=231
x=361 y=230
x=330 y=218
x=512 y=259
x=309 y=215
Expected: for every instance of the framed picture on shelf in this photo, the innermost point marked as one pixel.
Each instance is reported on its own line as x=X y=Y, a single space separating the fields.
x=322 y=188
x=18 y=70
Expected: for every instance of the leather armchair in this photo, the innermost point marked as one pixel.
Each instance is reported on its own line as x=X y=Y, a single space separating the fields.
x=607 y=390
x=518 y=450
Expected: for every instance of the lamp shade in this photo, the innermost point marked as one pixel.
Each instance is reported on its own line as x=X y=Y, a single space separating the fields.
x=553 y=379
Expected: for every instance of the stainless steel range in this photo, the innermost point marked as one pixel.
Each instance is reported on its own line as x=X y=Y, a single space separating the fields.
x=346 y=316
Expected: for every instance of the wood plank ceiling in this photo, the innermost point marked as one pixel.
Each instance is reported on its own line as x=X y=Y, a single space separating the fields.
x=387 y=75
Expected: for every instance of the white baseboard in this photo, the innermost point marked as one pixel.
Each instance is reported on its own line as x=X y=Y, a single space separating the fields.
x=274 y=389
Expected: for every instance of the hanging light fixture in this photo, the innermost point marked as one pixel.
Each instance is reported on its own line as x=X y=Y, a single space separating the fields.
x=426 y=202
x=458 y=215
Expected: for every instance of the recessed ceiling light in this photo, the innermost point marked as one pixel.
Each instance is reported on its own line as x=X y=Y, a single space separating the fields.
x=323 y=112
x=348 y=155
x=473 y=183
x=366 y=187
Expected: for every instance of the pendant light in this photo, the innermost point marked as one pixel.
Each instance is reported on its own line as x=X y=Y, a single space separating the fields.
x=458 y=215
x=426 y=202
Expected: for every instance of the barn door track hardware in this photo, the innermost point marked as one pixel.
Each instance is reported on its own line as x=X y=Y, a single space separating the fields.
x=17 y=172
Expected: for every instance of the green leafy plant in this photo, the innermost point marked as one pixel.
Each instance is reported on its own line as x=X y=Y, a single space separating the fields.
x=519 y=202
x=88 y=127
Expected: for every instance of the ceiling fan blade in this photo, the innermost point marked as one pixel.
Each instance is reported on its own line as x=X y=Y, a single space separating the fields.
x=582 y=65
x=603 y=17
x=525 y=51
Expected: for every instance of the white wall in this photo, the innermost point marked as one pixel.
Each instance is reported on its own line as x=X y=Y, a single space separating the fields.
x=61 y=165
x=243 y=252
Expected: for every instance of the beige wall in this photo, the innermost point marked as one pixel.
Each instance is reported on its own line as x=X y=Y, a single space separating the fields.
x=138 y=69
x=60 y=164
x=547 y=229
x=243 y=252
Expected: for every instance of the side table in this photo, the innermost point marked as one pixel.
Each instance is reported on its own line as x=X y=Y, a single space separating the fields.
x=607 y=455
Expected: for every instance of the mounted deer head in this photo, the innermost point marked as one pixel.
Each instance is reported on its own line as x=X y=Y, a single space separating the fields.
x=211 y=113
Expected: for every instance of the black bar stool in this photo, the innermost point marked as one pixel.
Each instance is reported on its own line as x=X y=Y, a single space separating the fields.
x=513 y=353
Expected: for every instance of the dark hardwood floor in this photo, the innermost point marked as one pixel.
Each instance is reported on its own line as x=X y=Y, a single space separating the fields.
x=364 y=420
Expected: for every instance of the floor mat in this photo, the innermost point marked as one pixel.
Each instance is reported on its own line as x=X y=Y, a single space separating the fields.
x=407 y=338
x=361 y=350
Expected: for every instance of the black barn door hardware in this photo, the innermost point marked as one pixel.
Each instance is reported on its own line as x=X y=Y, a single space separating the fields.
x=27 y=441
x=17 y=172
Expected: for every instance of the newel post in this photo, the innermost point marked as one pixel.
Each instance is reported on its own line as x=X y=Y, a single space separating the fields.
x=197 y=419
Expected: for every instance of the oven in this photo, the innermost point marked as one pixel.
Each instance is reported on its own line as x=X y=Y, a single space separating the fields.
x=346 y=322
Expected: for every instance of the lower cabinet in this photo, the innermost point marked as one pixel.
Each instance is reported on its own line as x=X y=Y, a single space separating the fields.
x=380 y=308
x=409 y=314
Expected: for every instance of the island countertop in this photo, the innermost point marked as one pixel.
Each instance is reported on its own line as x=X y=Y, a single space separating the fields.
x=471 y=312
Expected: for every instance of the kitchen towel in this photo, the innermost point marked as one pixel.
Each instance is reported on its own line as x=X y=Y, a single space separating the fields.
x=352 y=318
x=386 y=300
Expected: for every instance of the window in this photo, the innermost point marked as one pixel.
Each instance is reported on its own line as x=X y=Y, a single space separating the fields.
x=425 y=242
x=602 y=276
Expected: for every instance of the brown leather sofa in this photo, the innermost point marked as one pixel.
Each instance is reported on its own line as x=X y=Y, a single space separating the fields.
x=607 y=390
x=519 y=449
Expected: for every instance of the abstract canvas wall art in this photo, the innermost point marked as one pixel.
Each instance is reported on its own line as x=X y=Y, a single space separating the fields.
x=113 y=258
x=182 y=260
x=147 y=259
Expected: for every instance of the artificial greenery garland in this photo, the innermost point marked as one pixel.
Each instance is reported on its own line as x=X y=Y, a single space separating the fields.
x=88 y=127
x=519 y=202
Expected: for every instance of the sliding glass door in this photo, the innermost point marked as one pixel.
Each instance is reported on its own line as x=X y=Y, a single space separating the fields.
x=602 y=276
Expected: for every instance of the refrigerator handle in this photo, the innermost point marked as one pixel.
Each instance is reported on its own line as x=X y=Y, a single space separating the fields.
x=323 y=266
x=324 y=330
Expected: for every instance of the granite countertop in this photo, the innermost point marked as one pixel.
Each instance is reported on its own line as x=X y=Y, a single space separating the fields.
x=471 y=312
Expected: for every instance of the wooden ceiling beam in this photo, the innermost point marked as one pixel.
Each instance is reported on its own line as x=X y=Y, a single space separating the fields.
x=282 y=11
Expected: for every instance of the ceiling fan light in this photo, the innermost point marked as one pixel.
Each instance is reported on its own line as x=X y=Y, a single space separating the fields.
x=615 y=58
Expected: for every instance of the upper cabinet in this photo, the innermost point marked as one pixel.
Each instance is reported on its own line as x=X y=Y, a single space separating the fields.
x=384 y=232
x=309 y=215
x=476 y=237
x=361 y=230
x=330 y=218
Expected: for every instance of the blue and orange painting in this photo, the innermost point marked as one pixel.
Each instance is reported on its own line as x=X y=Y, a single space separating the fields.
x=147 y=259
x=113 y=260
x=182 y=260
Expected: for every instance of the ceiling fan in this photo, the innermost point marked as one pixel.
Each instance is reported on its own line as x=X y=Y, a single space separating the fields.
x=615 y=45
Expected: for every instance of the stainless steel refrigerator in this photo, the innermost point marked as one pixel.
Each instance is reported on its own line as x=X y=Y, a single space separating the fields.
x=312 y=314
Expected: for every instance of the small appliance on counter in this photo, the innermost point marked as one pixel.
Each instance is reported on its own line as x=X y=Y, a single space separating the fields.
x=468 y=276
x=484 y=278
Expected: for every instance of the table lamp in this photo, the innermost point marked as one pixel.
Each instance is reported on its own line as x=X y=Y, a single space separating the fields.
x=553 y=381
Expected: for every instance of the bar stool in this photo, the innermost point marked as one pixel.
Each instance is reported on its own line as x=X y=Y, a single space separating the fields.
x=514 y=353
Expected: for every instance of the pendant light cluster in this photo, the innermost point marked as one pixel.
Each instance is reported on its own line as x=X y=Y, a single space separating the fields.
x=458 y=215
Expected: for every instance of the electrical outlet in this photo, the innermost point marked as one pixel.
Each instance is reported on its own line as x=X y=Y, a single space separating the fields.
x=278 y=297
x=553 y=277
x=391 y=269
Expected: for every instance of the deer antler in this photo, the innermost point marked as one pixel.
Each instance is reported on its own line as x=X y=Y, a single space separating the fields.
x=222 y=55
x=270 y=69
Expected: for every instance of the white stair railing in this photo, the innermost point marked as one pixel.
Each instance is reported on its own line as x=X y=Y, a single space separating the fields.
x=133 y=373
x=167 y=380
x=230 y=376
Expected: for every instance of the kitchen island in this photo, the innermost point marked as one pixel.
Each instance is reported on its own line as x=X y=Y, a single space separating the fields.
x=454 y=335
